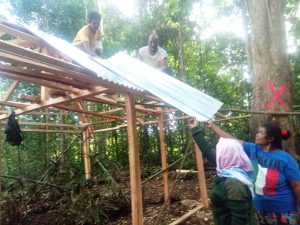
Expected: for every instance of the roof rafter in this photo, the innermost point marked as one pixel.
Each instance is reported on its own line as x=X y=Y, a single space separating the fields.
x=59 y=100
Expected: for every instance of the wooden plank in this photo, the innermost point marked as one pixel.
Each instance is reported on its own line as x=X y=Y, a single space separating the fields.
x=89 y=112
x=59 y=100
x=14 y=104
x=134 y=164
x=31 y=99
x=39 y=113
x=110 y=101
x=24 y=123
x=187 y=215
x=145 y=123
x=45 y=93
x=163 y=154
x=51 y=131
x=201 y=176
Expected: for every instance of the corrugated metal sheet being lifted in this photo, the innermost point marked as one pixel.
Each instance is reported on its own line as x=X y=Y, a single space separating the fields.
x=132 y=73
x=174 y=92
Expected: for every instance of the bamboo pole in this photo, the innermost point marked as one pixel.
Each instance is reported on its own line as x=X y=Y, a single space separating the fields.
x=201 y=176
x=260 y=112
x=166 y=120
x=134 y=164
x=163 y=157
x=86 y=154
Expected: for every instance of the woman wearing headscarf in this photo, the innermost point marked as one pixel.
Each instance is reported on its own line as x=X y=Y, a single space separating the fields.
x=277 y=175
x=231 y=194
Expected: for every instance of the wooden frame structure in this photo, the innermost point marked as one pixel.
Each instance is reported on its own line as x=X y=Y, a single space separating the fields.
x=67 y=87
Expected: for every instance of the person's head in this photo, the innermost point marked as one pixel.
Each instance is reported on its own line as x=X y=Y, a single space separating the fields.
x=94 y=20
x=153 y=43
x=271 y=135
x=230 y=154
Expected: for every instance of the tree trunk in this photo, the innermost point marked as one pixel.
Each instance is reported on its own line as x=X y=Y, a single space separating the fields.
x=270 y=65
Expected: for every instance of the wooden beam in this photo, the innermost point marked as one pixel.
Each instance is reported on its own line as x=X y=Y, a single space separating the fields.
x=201 y=176
x=104 y=99
x=145 y=123
x=114 y=110
x=187 y=215
x=39 y=113
x=163 y=154
x=45 y=93
x=31 y=99
x=134 y=164
x=14 y=104
x=56 y=101
x=24 y=123
x=88 y=112
x=51 y=131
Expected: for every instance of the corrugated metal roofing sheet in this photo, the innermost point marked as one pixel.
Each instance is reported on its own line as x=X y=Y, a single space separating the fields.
x=132 y=73
x=174 y=92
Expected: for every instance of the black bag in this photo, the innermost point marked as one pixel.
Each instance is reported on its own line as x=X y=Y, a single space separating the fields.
x=13 y=131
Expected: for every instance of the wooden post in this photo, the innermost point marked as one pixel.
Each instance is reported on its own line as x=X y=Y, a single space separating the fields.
x=201 y=176
x=134 y=164
x=44 y=97
x=163 y=156
x=86 y=154
x=45 y=93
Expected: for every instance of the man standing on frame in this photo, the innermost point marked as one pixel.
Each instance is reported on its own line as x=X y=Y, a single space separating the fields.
x=88 y=38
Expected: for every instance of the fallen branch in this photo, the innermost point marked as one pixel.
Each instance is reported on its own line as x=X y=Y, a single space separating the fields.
x=187 y=215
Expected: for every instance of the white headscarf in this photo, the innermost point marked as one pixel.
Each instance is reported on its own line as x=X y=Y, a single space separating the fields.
x=233 y=162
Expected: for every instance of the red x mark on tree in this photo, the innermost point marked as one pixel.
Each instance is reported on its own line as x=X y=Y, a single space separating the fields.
x=276 y=97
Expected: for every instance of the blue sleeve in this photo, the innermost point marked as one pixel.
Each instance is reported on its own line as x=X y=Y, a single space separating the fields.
x=251 y=150
x=292 y=171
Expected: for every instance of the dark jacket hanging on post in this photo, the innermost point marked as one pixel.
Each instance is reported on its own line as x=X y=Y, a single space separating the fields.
x=13 y=131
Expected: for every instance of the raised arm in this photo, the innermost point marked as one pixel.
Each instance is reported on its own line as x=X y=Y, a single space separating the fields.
x=218 y=131
x=198 y=134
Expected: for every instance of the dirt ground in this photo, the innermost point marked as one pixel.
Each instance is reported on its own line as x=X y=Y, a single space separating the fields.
x=184 y=197
x=184 y=194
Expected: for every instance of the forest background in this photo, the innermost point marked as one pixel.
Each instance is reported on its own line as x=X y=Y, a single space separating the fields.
x=207 y=49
